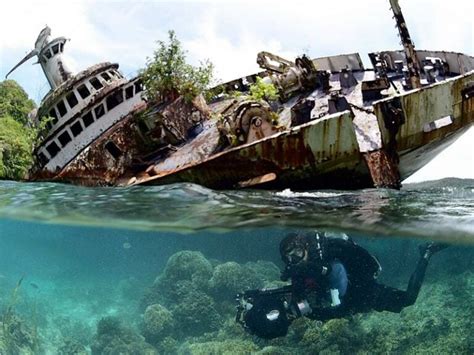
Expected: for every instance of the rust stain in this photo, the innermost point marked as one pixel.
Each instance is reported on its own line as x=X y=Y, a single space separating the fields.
x=383 y=170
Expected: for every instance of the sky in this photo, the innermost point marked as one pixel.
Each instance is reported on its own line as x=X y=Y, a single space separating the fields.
x=230 y=34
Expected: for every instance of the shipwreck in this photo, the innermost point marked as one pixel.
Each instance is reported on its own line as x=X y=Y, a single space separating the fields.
x=335 y=124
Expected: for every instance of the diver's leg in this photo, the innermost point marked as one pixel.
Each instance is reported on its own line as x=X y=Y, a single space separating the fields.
x=387 y=298
x=416 y=279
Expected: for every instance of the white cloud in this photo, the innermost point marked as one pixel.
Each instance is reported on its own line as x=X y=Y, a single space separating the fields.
x=232 y=59
x=22 y=22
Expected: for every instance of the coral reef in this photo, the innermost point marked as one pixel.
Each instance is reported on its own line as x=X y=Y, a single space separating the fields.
x=114 y=338
x=158 y=322
x=227 y=347
x=188 y=265
x=16 y=336
x=203 y=315
x=74 y=330
x=265 y=269
x=185 y=271
x=230 y=278
x=71 y=347
x=196 y=315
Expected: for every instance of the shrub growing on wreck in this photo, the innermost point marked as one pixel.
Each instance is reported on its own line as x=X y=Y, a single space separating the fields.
x=167 y=75
x=263 y=91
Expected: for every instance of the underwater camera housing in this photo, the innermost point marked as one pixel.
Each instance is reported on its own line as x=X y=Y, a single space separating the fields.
x=265 y=313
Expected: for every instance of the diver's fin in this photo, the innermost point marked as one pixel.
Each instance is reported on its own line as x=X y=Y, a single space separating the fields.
x=427 y=250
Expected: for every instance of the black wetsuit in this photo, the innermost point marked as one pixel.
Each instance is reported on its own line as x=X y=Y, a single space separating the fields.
x=362 y=292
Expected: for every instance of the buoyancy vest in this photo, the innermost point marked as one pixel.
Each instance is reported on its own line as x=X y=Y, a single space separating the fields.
x=360 y=265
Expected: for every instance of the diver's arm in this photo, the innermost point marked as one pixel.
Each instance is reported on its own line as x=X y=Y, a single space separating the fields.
x=338 y=283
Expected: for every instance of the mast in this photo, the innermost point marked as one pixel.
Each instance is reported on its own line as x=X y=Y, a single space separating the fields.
x=412 y=61
x=50 y=57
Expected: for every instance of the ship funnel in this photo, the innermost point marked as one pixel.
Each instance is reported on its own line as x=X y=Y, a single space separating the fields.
x=49 y=53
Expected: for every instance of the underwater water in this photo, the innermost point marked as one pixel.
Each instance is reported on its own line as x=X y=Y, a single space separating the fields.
x=148 y=270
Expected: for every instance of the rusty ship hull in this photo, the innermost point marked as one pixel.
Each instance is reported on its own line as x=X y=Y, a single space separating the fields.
x=370 y=145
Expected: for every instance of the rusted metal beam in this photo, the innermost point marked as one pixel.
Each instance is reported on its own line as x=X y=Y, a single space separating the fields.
x=412 y=62
x=383 y=169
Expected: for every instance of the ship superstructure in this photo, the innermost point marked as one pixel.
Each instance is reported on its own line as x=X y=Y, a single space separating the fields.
x=79 y=107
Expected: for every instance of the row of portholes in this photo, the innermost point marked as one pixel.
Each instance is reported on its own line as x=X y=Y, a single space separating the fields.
x=110 y=102
x=84 y=90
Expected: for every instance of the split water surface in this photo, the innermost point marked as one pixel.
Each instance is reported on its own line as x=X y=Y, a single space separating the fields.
x=149 y=270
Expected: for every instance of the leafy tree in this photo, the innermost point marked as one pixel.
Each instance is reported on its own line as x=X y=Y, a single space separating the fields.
x=14 y=101
x=167 y=75
x=16 y=139
x=16 y=143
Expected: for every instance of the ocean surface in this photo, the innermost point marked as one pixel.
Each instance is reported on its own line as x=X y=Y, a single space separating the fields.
x=148 y=270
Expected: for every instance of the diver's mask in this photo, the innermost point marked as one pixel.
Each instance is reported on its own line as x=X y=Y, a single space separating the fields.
x=295 y=255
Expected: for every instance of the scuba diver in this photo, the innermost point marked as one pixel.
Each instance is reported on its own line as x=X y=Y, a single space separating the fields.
x=330 y=278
